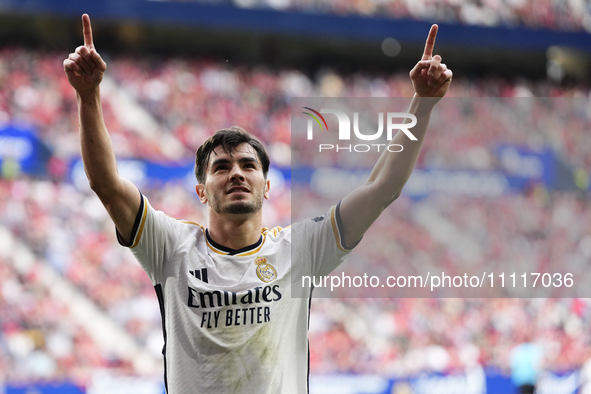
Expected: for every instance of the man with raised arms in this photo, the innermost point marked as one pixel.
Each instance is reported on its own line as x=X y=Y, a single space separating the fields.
x=230 y=324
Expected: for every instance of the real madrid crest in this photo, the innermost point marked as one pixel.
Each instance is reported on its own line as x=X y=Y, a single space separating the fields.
x=265 y=271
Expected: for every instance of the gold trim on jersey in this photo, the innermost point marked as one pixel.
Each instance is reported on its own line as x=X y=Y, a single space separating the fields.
x=251 y=252
x=275 y=230
x=213 y=248
x=189 y=222
x=247 y=253
x=220 y=252
x=335 y=229
x=141 y=229
x=264 y=231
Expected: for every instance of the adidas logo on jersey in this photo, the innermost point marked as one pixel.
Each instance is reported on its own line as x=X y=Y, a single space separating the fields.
x=200 y=274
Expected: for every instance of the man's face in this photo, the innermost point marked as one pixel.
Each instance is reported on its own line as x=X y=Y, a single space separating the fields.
x=234 y=183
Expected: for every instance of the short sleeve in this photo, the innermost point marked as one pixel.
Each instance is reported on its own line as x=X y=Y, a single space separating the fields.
x=319 y=242
x=153 y=239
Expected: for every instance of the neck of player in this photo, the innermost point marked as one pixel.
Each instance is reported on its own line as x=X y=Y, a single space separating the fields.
x=235 y=231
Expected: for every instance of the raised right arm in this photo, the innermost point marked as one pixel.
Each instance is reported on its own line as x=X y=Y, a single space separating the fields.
x=85 y=69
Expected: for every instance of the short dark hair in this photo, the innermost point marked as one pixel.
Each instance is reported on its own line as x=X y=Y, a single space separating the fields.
x=228 y=139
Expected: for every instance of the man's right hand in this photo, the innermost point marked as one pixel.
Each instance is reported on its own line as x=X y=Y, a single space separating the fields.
x=85 y=67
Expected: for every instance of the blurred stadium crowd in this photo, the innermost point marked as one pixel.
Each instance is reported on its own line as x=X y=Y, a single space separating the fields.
x=569 y=15
x=163 y=109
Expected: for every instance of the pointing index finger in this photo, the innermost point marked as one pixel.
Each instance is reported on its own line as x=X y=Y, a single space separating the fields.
x=428 y=53
x=87 y=31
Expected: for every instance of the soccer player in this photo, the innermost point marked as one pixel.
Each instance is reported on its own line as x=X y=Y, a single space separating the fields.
x=230 y=324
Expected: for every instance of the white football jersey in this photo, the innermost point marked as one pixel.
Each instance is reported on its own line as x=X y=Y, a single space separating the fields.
x=230 y=322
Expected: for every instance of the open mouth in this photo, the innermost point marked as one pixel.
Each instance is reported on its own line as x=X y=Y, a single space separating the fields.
x=238 y=189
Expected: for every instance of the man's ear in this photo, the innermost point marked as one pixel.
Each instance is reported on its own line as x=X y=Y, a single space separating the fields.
x=200 y=190
x=267 y=187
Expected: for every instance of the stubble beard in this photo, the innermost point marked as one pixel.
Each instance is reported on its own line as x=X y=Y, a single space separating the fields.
x=238 y=207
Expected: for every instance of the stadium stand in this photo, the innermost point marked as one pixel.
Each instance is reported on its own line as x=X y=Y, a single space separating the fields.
x=551 y=14
x=66 y=228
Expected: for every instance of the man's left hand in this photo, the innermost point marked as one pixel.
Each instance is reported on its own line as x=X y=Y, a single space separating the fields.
x=430 y=77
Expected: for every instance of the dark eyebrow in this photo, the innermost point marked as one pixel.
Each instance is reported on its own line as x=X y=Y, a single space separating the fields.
x=246 y=159
x=219 y=161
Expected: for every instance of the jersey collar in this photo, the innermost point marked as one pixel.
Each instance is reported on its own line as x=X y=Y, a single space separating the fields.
x=221 y=249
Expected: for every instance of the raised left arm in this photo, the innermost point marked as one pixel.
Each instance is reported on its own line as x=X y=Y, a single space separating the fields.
x=360 y=208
